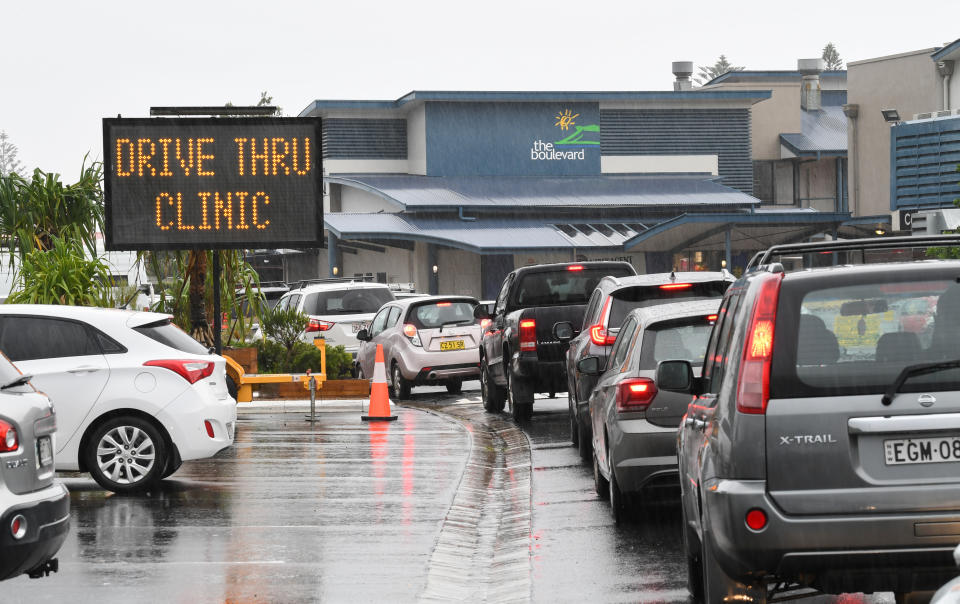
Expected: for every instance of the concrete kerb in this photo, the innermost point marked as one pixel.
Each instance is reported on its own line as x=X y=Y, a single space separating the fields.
x=303 y=406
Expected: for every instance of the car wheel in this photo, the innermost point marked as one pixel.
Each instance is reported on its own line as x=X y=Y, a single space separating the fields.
x=694 y=565
x=232 y=387
x=359 y=372
x=574 y=425
x=126 y=454
x=585 y=441
x=454 y=386
x=491 y=394
x=599 y=482
x=718 y=586
x=521 y=399
x=401 y=387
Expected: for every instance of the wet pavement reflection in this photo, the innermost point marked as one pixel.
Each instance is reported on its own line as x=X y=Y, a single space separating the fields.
x=343 y=511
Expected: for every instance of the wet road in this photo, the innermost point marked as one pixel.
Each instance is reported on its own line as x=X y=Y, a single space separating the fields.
x=447 y=503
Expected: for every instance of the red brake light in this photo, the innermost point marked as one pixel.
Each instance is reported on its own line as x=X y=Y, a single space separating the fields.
x=598 y=332
x=575 y=267
x=635 y=394
x=190 y=370
x=318 y=325
x=484 y=324
x=670 y=286
x=528 y=334
x=711 y=318
x=753 y=391
x=9 y=441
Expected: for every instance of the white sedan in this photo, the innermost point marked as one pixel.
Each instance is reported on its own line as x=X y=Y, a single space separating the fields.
x=135 y=396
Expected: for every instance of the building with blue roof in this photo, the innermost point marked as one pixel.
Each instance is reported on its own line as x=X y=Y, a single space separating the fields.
x=452 y=190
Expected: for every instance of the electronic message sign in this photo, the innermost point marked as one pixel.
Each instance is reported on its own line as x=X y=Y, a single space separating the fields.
x=204 y=183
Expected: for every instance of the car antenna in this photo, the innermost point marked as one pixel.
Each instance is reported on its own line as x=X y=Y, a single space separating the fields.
x=673 y=276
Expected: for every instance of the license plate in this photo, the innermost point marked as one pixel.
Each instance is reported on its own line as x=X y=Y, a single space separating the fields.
x=921 y=450
x=44 y=451
x=452 y=345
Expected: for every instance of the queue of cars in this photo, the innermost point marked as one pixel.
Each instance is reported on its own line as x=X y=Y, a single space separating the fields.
x=821 y=447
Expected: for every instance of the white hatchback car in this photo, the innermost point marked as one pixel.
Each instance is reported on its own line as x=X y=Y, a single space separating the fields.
x=337 y=309
x=135 y=395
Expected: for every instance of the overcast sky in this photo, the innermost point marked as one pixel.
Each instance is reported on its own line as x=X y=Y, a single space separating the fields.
x=66 y=65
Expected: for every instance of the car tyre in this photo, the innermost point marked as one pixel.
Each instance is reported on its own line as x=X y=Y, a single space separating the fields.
x=574 y=424
x=521 y=398
x=232 y=387
x=358 y=372
x=599 y=482
x=126 y=454
x=618 y=507
x=400 y=386
x=694 y=565
x=585 y=441
x=454 y=386
x=718 y=585
x=493 y=396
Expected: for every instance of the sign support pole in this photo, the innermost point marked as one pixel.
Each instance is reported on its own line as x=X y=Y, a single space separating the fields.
x=217 y=316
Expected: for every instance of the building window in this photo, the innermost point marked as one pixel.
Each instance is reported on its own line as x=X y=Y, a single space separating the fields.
x=773 y=182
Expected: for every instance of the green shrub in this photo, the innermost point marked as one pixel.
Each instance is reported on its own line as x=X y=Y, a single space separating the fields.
x=272 y=358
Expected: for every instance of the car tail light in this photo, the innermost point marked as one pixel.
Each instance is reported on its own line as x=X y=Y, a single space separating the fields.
x=635 y=394
x=410 y=330
x=9 y=440
x=528 y=334
x=754 y=382
x=672 y=286
x=209 y=427
x=599 y=334
x=484 y=324
x=444 y=304
x=192 y=371
x=711 y=318
x=575 y=267
x=318 y=325
x=756 y=519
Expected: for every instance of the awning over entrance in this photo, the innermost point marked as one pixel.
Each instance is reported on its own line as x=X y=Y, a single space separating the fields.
x=751 y=231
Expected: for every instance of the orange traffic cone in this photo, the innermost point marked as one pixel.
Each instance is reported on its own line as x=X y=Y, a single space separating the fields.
x=379 y=407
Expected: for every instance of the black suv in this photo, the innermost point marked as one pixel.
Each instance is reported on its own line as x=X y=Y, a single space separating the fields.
x=822 y=449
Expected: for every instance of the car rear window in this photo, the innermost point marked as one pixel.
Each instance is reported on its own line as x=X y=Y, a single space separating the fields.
x=367 y=300
x=436 y=314
x=857 y=337
x=640 y=296
x=562 y=287
x=170 y=335
x=681 y=339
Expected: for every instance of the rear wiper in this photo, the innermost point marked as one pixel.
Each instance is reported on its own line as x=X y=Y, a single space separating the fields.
x=20 y=381
x=912 y=370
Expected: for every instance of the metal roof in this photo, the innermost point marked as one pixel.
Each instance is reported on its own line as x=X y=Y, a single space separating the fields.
x=486 y=234
x=753 y=96
x=946 y=51
x=823 y=132
x=412 y=192
x=753 y=231
x=734 y=76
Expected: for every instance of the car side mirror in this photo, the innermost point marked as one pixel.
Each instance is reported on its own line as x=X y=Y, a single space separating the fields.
x=363 y=335
x=480 y=311
x=563 y=331
x=675 y=376
x=589 y=365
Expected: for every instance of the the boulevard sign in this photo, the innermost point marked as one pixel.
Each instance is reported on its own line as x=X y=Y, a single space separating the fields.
x=212 y=183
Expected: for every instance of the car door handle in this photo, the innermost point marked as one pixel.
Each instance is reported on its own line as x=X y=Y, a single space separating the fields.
x=699 y=424
x=688 y=421
x=84 y=369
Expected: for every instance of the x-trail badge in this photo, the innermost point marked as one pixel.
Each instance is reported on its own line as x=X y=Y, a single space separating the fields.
x=927 y=400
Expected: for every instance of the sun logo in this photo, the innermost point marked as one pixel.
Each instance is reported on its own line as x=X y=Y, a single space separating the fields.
x=565 y=119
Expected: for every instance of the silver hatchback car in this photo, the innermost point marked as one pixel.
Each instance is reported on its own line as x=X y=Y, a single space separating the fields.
x=34 y=507
x=634 y=425
x=426 y=341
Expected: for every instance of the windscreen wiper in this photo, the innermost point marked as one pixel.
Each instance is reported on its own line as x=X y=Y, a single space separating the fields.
x=20 y=381
x=463 y=322
x=912 y=370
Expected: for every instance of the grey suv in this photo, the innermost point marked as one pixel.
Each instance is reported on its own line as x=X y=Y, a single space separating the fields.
x=34 y=506
x=823 y=445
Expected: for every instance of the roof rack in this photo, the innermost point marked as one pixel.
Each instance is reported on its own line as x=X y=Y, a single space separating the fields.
x=303 y=282
x=847 y=245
